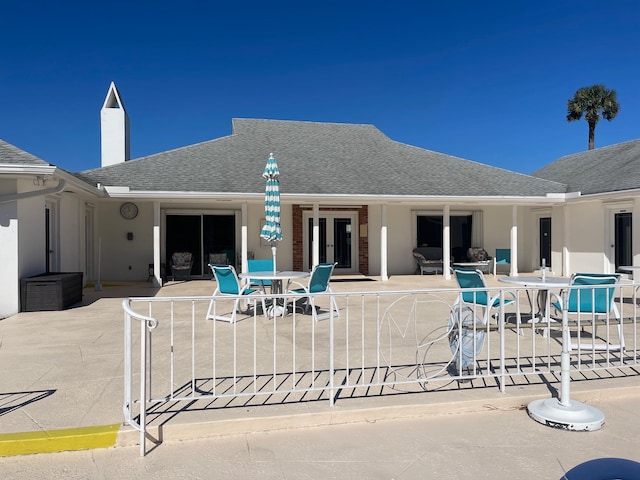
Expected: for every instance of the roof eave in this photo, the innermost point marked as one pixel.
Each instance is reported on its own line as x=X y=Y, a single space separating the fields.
x=22 y=169
x=126 y=192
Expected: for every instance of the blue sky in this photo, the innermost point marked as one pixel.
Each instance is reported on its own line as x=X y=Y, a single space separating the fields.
x=487 y=81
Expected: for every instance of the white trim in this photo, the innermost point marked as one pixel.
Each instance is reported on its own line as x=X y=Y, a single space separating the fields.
x=200 y=211
x=352 y=201
x=33 y=193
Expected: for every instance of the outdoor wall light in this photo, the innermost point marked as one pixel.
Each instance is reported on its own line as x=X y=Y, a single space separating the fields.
x=129 y=235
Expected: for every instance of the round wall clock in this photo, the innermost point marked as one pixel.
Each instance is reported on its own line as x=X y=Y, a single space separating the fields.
x=129 y=210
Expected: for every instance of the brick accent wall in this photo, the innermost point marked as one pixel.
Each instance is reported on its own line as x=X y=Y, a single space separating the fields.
x=298 y=229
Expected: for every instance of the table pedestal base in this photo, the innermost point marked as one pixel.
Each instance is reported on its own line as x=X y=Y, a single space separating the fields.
x=275 y=310
x=576 y=416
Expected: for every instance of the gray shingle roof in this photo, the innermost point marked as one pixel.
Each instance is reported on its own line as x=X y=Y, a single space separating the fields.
x=606 y=169
x=10 y=154
x=316 y=158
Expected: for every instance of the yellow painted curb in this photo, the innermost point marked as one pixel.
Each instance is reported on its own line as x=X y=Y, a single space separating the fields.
x=47 y=441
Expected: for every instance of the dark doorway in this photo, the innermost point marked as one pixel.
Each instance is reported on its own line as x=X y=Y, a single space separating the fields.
x=201 y=235
x=429 y=233
x=47 y=240
x=545 y=241
x=183 y=235
x=623 y=254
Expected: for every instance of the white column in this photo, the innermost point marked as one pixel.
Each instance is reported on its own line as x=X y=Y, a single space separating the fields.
x=315 y=242
x=566 y=248
x=157 y=263
x=384 y=274
x=243 y=237
x=514 y=241
x=446 y=241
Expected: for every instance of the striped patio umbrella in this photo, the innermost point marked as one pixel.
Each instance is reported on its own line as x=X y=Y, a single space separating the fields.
x=272 y=232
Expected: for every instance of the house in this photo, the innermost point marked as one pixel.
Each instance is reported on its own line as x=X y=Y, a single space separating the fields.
x=370 y=199
x=599 y=233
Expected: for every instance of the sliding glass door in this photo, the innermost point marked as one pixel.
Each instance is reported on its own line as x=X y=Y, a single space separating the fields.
x=202 y=235
x=429 y=234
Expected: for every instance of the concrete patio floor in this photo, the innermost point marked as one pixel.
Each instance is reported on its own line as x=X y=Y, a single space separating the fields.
x=64 y=370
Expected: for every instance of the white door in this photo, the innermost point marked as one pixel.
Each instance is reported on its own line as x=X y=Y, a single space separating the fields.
x=338 y=240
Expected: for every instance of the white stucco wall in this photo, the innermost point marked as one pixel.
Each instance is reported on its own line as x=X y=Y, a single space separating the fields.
x=586 y=240
x=9 y=275
x=23 y=242
x=31 y=232
x=400 y=240
x=497 y=222
x=117 y=253
x=71 y=247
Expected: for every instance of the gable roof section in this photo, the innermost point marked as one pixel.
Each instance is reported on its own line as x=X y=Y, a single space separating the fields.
x=607 y=169
x=12 y=155
x=316 y=159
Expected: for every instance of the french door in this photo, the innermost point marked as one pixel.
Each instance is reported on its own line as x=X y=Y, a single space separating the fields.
x=337 y=240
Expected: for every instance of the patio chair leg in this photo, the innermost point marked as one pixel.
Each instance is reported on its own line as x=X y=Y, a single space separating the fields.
x=212 y=316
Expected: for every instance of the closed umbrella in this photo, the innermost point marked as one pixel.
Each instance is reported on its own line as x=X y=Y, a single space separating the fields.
x=272 y=232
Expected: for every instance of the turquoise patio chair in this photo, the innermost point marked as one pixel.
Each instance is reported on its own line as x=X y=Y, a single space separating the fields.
x=228 y=284
x=259 y=265
x=471 y=281
x=588 y=305
x=502 y=257
x=318 y=283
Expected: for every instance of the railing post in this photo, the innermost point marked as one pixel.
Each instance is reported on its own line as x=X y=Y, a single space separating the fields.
x=331 y=355
x=147 y=324
x=501 y=331
x=143 y=388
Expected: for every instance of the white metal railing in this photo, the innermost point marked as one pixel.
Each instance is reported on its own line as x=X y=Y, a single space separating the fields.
x=382 y=343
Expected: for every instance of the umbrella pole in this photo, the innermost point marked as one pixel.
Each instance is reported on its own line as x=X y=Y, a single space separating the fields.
x=273 y=252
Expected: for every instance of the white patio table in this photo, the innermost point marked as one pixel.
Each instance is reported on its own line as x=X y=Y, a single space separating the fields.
x=561 y=412
x=276 y=279
x=629 y=268
x=542 y=285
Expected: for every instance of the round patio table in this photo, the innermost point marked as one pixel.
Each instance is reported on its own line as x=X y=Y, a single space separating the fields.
x=629 y=268
x=561 y=412
x=542 y=285
x=276 y=279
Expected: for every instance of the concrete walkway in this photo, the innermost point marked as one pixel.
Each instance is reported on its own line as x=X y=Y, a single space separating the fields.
x=500 y=443
x=62 y=381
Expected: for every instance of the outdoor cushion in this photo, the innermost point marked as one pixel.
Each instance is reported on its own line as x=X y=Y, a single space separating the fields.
x=478 y=254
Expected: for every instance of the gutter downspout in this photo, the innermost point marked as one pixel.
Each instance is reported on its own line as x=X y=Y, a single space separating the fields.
x=34 y=193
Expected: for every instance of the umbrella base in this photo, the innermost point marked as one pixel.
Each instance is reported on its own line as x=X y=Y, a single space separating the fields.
x=576 y=416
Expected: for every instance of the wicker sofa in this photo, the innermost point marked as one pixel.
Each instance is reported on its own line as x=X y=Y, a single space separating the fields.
x=428 y=260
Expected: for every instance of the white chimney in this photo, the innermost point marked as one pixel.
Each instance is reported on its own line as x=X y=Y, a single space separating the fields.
x=114 y=128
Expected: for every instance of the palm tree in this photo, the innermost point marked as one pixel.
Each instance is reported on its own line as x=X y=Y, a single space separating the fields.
x=593 y=101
